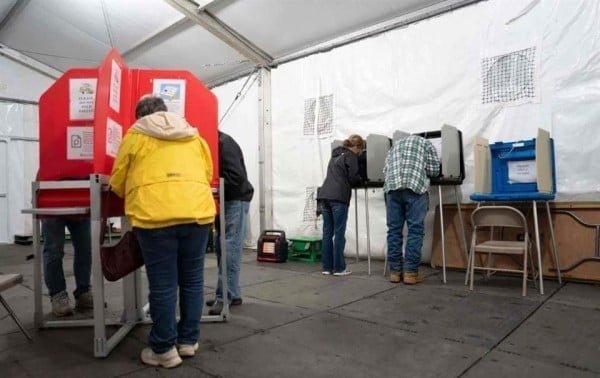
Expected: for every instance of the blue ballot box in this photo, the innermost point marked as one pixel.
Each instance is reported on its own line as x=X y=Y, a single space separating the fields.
x=514 y=171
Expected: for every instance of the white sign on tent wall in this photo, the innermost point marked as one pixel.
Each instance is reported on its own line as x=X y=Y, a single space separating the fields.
x=114 y=135
x=82 y=98
x=115 y=87
x=80 y=143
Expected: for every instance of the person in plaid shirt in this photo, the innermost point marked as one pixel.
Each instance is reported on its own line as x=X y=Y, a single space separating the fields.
x=408 y=166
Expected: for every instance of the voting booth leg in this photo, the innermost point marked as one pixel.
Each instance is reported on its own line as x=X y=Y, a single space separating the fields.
x=442 y=233
x=368 y=230
x=537 y=247
x=100 y=344
x=222 y=317
x=462 y=224
x=38 y=316
x=356 y=221
x=554 y=247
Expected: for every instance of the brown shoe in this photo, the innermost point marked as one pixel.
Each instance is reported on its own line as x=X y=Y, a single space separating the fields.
x=411 y=278
x=395 y=277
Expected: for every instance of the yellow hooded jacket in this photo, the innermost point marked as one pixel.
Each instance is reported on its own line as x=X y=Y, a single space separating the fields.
x=163 y=170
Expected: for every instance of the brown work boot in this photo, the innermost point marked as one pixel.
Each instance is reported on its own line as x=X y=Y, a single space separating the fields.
x=395 y=277
x=411 y=278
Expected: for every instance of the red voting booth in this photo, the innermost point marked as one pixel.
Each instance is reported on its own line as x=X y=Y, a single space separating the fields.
x=87 y=111
x=83 y=118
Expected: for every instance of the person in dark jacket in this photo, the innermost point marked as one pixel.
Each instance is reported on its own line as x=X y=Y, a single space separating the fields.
x=333 y=201
x=238 y=194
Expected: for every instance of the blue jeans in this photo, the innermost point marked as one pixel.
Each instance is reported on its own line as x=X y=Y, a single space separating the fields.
x=174 y=256
x=236 y=213
x=335 y=217
x=405 y=206
x=53 y=230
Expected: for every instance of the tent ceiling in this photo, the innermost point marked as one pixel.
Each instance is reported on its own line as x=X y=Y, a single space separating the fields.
x=152 y=33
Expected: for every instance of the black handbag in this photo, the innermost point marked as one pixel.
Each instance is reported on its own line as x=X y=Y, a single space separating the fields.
x=122 y=258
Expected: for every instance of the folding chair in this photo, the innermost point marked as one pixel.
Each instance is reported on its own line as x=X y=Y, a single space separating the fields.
x=490 y=217
x=6 y=282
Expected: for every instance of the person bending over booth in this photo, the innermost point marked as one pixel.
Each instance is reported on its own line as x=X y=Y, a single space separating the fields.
x=163 y=170
x=333 y=200
x=409 y=164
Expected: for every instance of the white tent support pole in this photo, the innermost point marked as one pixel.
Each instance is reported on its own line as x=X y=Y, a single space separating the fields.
x=18 y=101
x=402 y=21
x=221 y=31
x=203 y=4
x=29 y=62
x=17 y=7
x=157 y=36
x=265 y=147
x=230 y=76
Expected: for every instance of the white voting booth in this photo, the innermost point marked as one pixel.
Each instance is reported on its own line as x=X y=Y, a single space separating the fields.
x=449 y=147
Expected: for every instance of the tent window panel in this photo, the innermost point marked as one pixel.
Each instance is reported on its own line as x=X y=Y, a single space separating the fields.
x=324 y=119
x=509 y=77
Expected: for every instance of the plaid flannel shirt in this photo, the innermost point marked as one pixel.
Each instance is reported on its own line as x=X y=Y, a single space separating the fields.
x=409 y=164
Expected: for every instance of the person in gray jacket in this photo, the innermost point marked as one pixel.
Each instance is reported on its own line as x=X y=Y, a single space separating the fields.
x=333 y=200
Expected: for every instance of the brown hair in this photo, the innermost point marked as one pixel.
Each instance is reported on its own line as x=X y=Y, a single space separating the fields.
x=354 y=140
x=148 y=105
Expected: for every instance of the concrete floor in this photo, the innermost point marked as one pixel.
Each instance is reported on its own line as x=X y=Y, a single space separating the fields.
x=297 y=323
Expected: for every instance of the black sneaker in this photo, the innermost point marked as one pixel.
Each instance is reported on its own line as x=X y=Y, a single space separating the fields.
x=211 y=302
x=216 y=308
x=236 y=301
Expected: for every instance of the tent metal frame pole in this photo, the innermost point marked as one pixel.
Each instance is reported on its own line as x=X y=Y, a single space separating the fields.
x=29 y=62
x=265 y=148
x=222 y=31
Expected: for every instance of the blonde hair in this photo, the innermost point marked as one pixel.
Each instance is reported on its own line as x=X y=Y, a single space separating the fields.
x=354 y=140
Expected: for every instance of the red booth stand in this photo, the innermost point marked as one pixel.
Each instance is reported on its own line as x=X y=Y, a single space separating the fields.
x=83 y=118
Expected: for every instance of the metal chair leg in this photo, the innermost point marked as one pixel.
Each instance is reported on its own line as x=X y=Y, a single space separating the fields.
x=14 y=316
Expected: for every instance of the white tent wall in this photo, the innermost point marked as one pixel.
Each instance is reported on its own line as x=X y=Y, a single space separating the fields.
x=418 y=78
x=239 y=119
x=19 y=85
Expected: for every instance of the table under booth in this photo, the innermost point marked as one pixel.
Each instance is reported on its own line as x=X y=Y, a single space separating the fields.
x=83 y=117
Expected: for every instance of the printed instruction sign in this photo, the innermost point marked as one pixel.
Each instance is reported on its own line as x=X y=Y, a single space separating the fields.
x=522 y=172
x=114 y=135
x=172 y=91
x=115 y=87
x=82 y=98
x=80 y=142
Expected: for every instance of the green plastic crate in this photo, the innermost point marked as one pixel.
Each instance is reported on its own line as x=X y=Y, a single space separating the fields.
x=305 y=249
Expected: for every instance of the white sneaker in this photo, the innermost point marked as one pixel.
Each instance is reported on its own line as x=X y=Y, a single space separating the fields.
x=326 y=273
x=60 y=304
x=344 y=273
x=169 y=359
x=186 y=350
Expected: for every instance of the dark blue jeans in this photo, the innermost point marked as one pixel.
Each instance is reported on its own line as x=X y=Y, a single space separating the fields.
x=335 y=217
x=53 y=230
x=174 y=256
x=405 y=206
x=236 y=213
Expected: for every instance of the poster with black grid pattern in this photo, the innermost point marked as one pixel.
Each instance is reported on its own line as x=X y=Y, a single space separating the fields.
x=324 y=127
x=510 y=77
x=310 y=204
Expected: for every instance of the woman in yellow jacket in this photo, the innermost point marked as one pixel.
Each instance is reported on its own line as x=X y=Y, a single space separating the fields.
x=163 y=170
